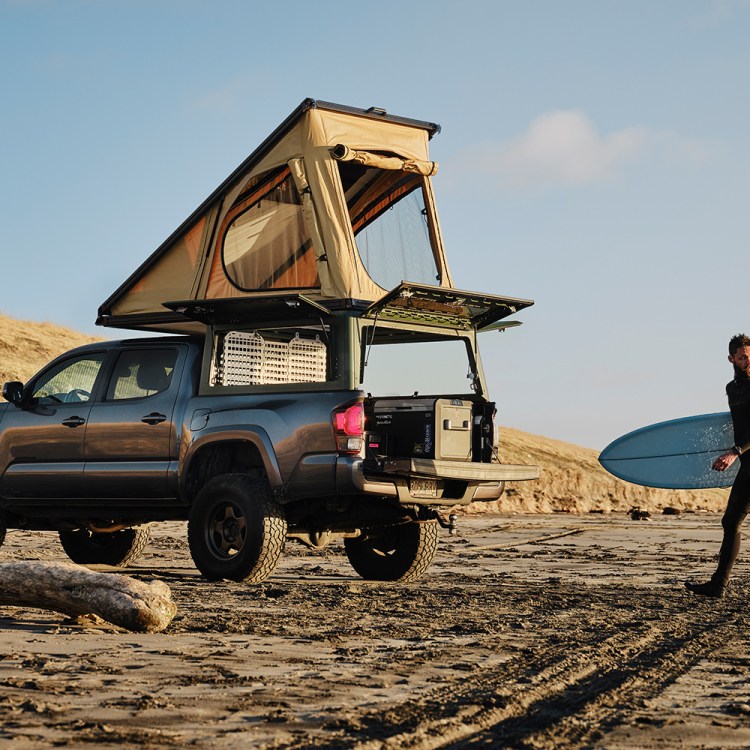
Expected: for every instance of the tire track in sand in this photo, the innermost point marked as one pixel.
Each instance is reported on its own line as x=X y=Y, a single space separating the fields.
x=568 y=695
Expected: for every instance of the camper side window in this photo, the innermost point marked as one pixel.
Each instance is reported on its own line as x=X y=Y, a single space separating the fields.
x=268 y=357
x=266 y=244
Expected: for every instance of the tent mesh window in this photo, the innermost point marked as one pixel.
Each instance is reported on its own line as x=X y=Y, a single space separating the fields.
x=266 y=244
x=247 y=358
x=389 y=220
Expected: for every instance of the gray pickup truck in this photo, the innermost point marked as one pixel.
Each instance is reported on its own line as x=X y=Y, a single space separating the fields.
x=258 y=433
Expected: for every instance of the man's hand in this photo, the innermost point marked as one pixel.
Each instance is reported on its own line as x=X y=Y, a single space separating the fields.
x=724 y=461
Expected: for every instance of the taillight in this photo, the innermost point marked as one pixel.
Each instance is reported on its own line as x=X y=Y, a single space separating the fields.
x=349 y=428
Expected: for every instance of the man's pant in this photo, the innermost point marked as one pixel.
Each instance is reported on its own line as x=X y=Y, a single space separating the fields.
x=738 y=507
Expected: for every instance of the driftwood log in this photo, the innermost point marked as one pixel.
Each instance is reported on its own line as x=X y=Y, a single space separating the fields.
x=74 y=590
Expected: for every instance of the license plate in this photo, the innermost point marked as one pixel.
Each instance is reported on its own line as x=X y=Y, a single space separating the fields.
x=423 y=487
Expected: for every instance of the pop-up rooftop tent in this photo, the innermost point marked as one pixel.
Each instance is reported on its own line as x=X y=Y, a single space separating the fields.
x=335 y=205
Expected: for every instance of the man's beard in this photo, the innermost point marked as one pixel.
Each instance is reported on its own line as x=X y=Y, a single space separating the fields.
x=741 y=374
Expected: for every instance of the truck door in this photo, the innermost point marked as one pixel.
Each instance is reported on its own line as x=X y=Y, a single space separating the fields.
x=42 y=442
x=131 y=441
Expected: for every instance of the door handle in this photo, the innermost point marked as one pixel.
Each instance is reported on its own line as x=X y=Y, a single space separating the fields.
x=153 y=418
x=74 y=421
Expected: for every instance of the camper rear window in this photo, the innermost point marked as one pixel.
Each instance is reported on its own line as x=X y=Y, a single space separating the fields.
x=266 y=244
x=389 y=219
x=404 y=366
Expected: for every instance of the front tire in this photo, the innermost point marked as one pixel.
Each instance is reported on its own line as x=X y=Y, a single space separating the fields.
x=118 y=548
x=236 y=529
x=394 y=553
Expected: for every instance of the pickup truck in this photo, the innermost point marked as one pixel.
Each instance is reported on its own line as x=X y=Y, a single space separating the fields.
x=260 y=432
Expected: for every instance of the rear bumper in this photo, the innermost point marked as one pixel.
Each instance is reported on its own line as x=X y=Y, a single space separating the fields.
x=459 y=483
x=472 y=472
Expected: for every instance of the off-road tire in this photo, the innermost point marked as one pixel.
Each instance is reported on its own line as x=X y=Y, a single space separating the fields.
x=3 y=528
x=236 y=529
x=118 y=548
x=393 y=553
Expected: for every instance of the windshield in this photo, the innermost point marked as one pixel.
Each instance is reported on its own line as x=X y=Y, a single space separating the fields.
x=405 y=366
x=391 y=228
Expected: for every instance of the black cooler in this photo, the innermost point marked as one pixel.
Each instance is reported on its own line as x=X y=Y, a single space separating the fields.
x=421 y=428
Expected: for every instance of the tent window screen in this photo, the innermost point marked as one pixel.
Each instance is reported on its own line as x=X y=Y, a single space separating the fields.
x=266 y=244
x=390 y=224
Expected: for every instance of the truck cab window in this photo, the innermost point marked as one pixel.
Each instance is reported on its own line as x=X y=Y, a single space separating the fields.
x=141 y=373
x=68 y=382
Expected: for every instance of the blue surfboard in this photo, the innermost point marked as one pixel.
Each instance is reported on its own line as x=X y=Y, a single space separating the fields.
x=674 y=455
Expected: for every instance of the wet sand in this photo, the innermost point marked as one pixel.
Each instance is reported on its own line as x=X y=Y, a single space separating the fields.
x=538 y=631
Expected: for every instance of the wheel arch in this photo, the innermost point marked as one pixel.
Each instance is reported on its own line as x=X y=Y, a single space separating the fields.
x=225 y=452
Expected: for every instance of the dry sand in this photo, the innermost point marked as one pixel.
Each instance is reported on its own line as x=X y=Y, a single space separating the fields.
x=533 y=631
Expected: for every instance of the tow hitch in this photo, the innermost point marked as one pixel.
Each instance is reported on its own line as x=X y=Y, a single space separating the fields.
x=450 y=524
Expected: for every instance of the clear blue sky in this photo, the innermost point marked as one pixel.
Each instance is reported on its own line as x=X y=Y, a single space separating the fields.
x=595 y=157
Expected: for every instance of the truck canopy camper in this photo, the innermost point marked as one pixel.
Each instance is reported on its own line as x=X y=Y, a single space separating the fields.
x=323 y=379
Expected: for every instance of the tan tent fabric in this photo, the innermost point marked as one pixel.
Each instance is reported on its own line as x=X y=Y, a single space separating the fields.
x=326 y=263
x=172 y=276
x=447 y=279
x=341 y=152
x=348 y=277
x=370 y=135
x=297 y=168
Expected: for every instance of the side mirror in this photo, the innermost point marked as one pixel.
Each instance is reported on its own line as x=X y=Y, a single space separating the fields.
x=13 y=392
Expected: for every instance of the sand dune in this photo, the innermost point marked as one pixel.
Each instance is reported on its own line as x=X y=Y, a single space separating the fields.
x=571 y=478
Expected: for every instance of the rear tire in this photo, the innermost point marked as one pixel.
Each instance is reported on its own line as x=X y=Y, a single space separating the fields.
x=236 y=529
x=393 y=553
x=118 y=548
